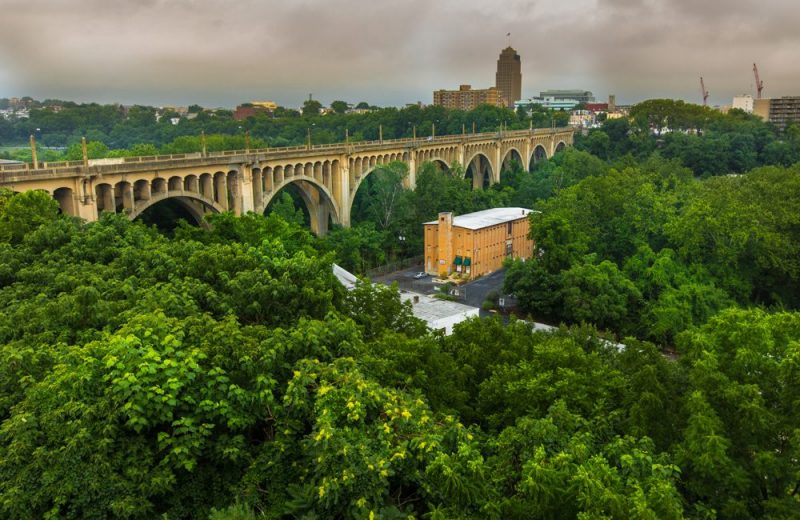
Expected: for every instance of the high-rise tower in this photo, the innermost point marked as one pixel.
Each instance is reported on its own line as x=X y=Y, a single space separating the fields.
x=509 y=76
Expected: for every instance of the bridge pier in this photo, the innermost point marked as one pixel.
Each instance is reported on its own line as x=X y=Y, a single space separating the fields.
x=343 y=190
x=105 y=196
x=221 y=190
x=477 y=173
x=494 y=176
x=244 y=183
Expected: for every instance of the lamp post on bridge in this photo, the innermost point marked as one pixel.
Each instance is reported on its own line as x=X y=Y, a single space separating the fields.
x=203 y=142
x=85 y=152
x=34 y=157
x=308 y=135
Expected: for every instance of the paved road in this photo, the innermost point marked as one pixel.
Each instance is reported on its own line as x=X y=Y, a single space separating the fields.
x=406 y=281
x=480 y=288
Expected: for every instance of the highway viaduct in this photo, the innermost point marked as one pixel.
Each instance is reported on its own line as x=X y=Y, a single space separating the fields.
x=328 y=176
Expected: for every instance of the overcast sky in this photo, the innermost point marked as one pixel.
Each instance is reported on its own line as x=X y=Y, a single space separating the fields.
x=390 y=52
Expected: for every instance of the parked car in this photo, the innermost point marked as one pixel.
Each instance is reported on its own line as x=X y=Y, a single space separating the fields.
x=420 y=275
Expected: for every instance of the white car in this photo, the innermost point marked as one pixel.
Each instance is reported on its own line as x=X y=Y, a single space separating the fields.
x=420 y=275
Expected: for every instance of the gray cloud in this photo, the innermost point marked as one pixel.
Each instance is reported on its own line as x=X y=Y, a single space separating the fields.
x=220 y=52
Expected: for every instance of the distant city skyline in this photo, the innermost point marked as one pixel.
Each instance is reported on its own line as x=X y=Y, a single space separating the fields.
x=218 y=53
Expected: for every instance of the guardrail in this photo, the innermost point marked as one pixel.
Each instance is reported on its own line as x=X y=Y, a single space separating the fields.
x=61 y=167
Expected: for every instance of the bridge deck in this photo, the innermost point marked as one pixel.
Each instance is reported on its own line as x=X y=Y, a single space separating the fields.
x=52 y=170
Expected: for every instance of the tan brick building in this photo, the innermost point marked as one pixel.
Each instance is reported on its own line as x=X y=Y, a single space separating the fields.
x=466 y=99
x=476 y=243
x=781 y=111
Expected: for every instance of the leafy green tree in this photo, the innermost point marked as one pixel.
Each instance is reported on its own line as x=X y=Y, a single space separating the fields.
x=357 y=248
x=94 y=150
x=285 y=207
x=311 y=107
x=737 y=452
x=599 y=294
x=24 y=212
x=340 y=107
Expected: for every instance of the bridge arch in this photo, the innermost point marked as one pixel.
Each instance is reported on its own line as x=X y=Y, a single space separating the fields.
x=66 y=200
x=479 y=169
x=560 y=146
x=512 y=154
x=318 y=198
x=440 y=163
x=196 y=204
x=538 y=155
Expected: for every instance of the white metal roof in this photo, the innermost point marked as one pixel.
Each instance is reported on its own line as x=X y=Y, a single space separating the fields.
x=438 y=314
x=345 y=278
x=487 y=217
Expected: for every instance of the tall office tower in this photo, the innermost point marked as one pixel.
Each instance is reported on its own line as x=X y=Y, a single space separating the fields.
x=509 y=76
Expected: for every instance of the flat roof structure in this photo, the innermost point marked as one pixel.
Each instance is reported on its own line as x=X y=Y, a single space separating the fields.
x=487 y=217
x=436 y=313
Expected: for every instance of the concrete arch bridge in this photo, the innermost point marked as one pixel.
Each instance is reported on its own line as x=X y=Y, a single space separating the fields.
x=327 y=176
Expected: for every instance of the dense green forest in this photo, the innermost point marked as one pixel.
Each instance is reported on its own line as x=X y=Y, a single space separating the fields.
x=224 y=373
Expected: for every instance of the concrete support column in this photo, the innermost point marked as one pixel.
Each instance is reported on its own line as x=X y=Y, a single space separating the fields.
x=319 y=221
x=258 y=191
x=106 y=197
x=527 y=151
x=221 y=190
x=191 y=184
x=235 y=193
x=126 y=194
x=477 y=173
x=342 y=193
x=494 y=177
x=246 y=197
x=462 y=155
x=410 y=181
x=83 y=201
x=144 y=192
x=207 y=186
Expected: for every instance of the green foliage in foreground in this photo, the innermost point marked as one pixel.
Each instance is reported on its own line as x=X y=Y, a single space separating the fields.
x=226 y=374
x=649 y=250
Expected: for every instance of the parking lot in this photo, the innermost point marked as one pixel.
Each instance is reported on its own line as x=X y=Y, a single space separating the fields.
x=472 y=293
x=406 y=281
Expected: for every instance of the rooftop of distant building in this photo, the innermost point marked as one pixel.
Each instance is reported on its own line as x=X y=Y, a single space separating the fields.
x=488 y=217
x=438 y=313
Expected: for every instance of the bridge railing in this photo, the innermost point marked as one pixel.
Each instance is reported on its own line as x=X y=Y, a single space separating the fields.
x=61 y=167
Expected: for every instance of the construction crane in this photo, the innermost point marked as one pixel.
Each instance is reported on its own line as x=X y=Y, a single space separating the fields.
x=703 y=91
x=759 y=83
